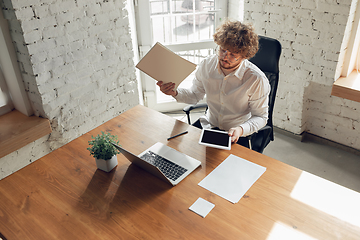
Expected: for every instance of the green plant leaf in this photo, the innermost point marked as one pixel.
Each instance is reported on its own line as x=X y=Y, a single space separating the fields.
x=101 y=147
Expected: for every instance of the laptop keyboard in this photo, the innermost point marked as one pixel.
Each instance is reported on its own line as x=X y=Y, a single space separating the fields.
x=171 y=170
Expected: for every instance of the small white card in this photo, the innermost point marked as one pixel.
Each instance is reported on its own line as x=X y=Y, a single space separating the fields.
x=202 y=207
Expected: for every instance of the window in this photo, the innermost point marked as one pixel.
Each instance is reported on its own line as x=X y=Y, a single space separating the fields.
x=347 y=84
x=11 y=83
x=185 y=27
x=5 y=99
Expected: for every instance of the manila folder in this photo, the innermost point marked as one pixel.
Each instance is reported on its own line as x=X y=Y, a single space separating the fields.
x=164 y=65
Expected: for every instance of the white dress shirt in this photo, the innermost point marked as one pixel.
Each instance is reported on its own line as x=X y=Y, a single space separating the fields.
x=238 y=99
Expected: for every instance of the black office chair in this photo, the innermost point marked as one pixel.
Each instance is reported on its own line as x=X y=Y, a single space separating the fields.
x=267 y=59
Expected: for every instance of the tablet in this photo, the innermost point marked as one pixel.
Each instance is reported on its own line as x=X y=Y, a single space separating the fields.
x=215 y=138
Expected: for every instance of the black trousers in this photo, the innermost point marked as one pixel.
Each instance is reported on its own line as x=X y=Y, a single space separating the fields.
x=243 y=141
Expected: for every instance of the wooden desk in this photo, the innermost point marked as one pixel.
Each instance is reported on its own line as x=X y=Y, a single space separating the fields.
x=64 y=196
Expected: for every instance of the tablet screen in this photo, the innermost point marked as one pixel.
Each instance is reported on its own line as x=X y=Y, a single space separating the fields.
x=215 y=138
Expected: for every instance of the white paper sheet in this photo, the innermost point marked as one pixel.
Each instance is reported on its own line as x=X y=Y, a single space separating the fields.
x=202 y=207
x=232 y=178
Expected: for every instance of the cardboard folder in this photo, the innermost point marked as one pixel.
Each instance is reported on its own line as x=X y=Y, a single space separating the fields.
x=162 y=64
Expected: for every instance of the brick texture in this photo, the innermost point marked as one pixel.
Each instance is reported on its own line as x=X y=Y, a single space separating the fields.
x=76 y=62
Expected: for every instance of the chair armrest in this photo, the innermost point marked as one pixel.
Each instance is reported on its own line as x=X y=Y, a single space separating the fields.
x=259 y=139
x=265 y=128
x=189 y=108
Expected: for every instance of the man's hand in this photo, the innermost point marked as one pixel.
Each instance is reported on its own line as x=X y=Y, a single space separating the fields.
x=235 y=133
x=167 y=88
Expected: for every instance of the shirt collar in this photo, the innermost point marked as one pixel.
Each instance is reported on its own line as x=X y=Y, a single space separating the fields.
x=240 y=70
x=239 y=73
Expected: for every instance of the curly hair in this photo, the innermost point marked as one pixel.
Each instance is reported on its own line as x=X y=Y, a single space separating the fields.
x=238 y=38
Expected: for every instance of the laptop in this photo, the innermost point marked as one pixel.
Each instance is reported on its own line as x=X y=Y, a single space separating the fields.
x=163 y=162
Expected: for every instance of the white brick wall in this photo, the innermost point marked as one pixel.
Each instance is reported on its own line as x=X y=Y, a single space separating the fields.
x=76 y=60
x=311 y=34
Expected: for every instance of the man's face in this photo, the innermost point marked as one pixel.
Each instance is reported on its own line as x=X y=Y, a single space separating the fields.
x=228 y=59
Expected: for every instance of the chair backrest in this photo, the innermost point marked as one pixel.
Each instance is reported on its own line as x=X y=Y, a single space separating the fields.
x=267 y=59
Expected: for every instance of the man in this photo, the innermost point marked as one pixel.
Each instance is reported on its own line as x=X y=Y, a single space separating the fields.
x=236 y=90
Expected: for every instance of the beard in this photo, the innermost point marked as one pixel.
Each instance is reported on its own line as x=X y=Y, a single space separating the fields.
x=226 y=64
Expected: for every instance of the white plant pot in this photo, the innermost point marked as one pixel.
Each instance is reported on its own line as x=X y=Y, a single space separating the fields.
x=107 y=165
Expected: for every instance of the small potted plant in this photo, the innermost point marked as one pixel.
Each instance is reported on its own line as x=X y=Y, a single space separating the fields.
x=103 y=151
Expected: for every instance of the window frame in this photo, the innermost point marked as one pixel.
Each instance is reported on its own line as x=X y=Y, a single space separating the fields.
x=11 y=70
x=347 y=76
x=4 y=96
